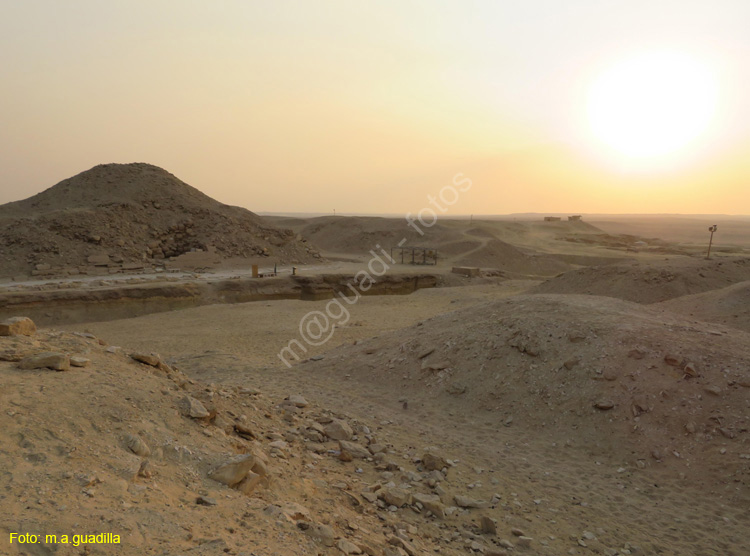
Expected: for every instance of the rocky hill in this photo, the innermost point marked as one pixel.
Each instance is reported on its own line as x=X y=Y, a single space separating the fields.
x=127 y=216
x=179 y=467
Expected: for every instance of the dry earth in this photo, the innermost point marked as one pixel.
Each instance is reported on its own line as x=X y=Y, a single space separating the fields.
x=604 y=411
x=729 y=306
x=651 y=281
x=513 y=396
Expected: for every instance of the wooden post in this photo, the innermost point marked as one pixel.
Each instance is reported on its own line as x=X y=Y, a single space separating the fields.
x=255 y=271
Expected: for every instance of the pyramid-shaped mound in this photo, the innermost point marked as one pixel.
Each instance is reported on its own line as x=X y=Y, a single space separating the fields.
x=115 y=214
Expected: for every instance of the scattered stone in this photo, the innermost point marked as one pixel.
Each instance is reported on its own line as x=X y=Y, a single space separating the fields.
x=145 y=470
x=78 y=361
x=137 y=445
x=356 y=451
x=47 y=360
x=338 y=430
x=466 y=502
x=636 y=354
x=321 y=533
x=488 y=526
x=713 y=390
x=516 y=532
x=403 y=544
x=233 y=472
x=147 y=359
x=298 y=400
x=370 y=496
x=672 y=360
x=17 y=326
x=190 y=407
x=576 y=336
x=690 y=370
x=205 y=501
x=244 y=431
x=251 y=482
x=433 y=462
x=348 y=547
x=395 y=496
x=604 y=405
x=525 y=542
x=570 y=363
x=431 y=503
x=456 y=389
x=436 y=366
x=279 y=445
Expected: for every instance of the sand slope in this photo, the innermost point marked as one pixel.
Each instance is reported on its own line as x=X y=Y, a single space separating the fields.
x=603 y=374
x=729 y=306
x=653 y=281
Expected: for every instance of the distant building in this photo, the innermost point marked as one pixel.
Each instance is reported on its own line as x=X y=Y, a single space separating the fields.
x=575 y=218
x=552 y=218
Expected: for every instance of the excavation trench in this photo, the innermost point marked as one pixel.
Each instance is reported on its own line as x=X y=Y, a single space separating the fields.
x=103 y=303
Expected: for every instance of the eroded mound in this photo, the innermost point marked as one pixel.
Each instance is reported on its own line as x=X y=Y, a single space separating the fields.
x=116 y=215
x=474 y=246
x=729 y=306
x=607 y=376
x=650 y=282
x=498 y=254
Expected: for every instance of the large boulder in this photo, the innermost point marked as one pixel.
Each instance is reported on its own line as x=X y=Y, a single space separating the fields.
x=339 y=430
x=233 y=472
x=17 y=326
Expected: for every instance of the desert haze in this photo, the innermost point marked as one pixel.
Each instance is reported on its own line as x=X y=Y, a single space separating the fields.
x=547 y=387
x=395 y=278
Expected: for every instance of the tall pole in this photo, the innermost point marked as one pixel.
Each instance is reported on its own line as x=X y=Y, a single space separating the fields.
x=711 y=229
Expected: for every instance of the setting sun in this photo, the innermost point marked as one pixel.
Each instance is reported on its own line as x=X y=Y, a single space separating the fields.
x=652 y=105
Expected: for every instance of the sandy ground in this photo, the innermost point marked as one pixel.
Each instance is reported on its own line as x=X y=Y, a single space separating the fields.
x=595 y=425
x=571 y=497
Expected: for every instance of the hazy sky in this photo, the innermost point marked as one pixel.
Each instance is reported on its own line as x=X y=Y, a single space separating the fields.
x=310 y=106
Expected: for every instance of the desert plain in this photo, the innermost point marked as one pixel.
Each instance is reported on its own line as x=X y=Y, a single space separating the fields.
x=546 y=388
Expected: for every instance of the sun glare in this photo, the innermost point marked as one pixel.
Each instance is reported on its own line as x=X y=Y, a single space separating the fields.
x=652 y=105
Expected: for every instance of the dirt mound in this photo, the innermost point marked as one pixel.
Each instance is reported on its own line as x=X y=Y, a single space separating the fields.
x=498 y=254
x=729 y=306
x=115 y=214
x=604 y=375
x=650 y=282
x=456 y=242
x=175 y=466
x=357 y=235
